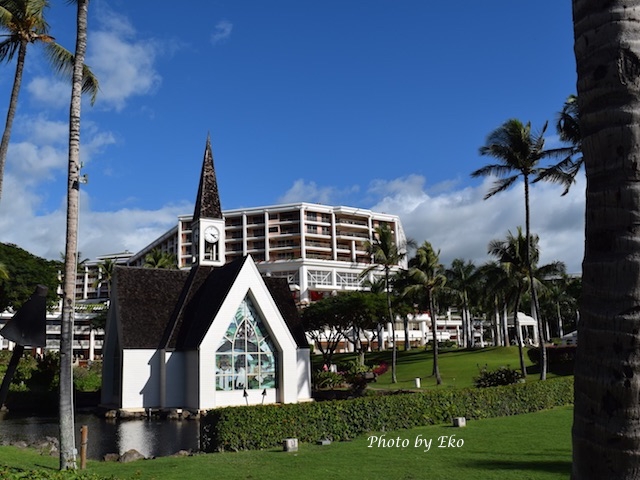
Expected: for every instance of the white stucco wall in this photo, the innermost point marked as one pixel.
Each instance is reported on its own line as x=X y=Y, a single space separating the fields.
x=175 y=392
x=140 y=379
x=304 y=374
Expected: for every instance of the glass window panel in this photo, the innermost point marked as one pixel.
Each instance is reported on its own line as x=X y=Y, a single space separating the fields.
x=224 y=372
x=246 y=357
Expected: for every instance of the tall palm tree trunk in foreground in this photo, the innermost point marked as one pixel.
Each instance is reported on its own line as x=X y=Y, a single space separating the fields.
x=67 y=437
x=606 y=425
x=11 y=113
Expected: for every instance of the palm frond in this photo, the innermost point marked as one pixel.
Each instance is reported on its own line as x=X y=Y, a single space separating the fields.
x=6 y=18
x=8 y=49
x=501 y=185
x=62 y=62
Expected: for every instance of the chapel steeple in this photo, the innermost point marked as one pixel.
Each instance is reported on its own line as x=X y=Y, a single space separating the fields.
x=208 y=199
x=207 y=225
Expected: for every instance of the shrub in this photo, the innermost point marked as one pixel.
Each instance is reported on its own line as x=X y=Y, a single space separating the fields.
x=326 y=380
x=88 y=378
x=23 y=372
x=495 y=378
x=266 y=426
x=46 y=376
x=556 y=355
x=380 y=369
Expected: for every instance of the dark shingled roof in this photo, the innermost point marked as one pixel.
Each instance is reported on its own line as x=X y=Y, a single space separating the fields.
x=281 y=293
x=208 y=199
x=146 y=299
x=174 y=309
x=203 y=304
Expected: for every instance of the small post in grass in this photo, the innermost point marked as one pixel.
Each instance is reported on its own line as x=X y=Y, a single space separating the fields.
x=290 y=445
x=459 y=422
x=84 y=439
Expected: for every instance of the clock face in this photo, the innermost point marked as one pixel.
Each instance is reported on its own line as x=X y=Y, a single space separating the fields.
x=211 y=234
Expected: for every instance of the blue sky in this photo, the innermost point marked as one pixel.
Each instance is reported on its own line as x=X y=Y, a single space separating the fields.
x=372 y=104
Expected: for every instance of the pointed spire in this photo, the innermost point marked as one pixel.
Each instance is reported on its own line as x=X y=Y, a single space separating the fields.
x=208 y=199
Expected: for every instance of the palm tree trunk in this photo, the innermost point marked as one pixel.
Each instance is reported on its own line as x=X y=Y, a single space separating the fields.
x=606 y=422
x=516 y=324
x=407 y=342
x=543 y=349
x=541 y=334
x=505 y=324
x=394 y=351
x=67 y=437
x=560 y=331
x=11 y=113
x=434 y=329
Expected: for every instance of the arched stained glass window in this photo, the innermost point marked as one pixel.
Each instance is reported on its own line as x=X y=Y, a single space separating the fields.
x=246 y=357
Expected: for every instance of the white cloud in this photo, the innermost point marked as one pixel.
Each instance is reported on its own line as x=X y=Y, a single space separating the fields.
x=302 y=191
x=221 y=32
x=44 y=150
x=100 y=232
x=124 y=64
x=49 y=91
x=461 y=224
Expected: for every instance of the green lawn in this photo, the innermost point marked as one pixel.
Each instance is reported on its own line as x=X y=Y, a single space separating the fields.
x=457 y=367
x=534 y=446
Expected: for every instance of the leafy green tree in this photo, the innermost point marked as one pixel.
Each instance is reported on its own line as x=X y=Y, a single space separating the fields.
x=4 y=272
x=427 y=276
x=325 y=326
x=519 y=152
x=386 y=255
x=345 y=316
x=24 y=24
x=156 y=258
x=25 y=271
x=360 y=312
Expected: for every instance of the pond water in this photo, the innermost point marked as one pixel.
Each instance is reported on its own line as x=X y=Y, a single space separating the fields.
x=151 y=437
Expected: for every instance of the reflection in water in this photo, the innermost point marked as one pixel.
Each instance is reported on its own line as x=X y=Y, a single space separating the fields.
x=151 y=437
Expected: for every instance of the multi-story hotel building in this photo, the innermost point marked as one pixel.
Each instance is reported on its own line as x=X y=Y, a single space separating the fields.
x=318 y=248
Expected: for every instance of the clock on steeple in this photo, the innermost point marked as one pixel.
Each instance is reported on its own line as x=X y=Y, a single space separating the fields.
x=208 y=224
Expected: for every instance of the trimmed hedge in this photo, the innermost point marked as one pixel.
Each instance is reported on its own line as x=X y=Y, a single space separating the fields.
x=266 y=426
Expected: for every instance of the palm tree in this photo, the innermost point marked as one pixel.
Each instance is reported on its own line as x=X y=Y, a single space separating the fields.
x=403 y=304
x=66 y=410
x=377 y=286
x=462 y=280
x=497 y=286
x=568 y=128
x=606 y=437
x=156 y=258
x=105 y=271
x=426 y=274
x=514 y=258
x=556 y=294
x=24 y=22
x=386 y=255
x=519 y=152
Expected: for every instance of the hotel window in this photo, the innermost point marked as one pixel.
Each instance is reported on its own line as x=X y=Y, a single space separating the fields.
x=246 y=357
